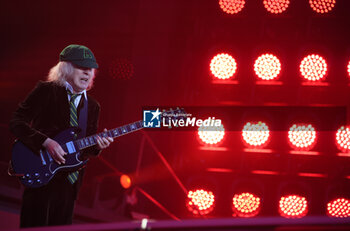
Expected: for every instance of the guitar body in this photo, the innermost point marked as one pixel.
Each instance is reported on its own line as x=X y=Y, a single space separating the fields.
x=39 y=168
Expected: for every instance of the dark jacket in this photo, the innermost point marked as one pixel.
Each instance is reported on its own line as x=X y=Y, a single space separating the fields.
x=45 y=113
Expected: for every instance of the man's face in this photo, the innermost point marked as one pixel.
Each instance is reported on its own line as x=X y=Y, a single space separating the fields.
x=81 y=78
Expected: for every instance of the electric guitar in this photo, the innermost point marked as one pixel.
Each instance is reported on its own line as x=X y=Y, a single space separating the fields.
x=37 y=169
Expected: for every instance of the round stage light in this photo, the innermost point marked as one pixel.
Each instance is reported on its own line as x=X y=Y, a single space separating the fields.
x=276 y=6
x=125 y=181
x=339 y=207
x=245 y=205
x=343 y=138
x=223 y=66
x=231 y=6
x=211 y=134
x=349 y=68
x=302 y=136
x=293 y=206
x=200 y=201
x=322 y=6
x=313 y=67
x=267 y=67
x=121 y=69
x=255 y=134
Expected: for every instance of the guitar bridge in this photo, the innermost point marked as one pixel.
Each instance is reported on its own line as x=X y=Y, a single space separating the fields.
x=42 y=158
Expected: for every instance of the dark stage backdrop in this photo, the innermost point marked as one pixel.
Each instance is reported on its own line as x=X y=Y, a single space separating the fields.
x=157 y=52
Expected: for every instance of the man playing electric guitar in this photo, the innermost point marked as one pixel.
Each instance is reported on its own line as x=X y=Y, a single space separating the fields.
x=52 y=107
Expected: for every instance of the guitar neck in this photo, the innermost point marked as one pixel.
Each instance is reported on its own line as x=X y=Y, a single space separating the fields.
x=116 y=132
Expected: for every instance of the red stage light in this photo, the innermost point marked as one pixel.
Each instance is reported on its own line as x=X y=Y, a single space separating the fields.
x=121 y=69
x=293 y=206
x=313 y=67
x=255 y=134
x=125 y=181
x=200 y=201
x=231 y=6
x=276 y=6
x=343 y=138
x=223 y=66
x=245 y=205
x=267 y=67
x=349 y=68
x=210 y=134
x=302 y=136
x=339 y=207
x=322 y=6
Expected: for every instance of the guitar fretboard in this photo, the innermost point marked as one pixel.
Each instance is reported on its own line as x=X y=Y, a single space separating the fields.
x=119 y=131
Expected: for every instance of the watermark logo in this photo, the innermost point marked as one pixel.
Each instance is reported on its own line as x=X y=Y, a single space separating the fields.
x=176 y=118
x=151 y=118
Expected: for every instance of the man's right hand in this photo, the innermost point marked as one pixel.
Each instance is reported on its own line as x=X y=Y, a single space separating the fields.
x=55 y=150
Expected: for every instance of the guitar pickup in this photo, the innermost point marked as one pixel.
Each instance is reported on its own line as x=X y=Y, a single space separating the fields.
x=70 y=147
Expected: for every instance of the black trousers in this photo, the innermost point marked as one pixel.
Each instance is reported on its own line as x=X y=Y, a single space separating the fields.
x=52 y=204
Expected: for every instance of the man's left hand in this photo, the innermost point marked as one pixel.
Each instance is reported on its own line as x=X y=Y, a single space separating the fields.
x=104 y=142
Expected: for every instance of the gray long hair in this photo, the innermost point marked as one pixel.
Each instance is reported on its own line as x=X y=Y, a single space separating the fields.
x=62 y=72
